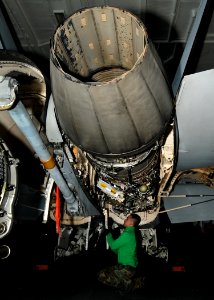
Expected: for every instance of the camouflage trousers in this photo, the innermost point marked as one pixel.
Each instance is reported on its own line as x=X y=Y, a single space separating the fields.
x=118 y=276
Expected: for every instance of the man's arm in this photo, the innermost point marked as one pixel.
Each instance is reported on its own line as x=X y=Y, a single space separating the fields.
x=117 y=243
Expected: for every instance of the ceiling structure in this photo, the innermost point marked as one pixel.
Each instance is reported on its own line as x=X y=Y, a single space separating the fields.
x=32 y=23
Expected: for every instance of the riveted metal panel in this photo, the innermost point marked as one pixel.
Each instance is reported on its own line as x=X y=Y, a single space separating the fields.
x=195 y=115
x=107 y=38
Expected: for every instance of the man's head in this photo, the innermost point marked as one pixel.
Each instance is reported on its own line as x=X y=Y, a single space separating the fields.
x=132 y=220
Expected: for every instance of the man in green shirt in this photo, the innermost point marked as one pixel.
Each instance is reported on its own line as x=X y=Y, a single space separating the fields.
x=125 y=246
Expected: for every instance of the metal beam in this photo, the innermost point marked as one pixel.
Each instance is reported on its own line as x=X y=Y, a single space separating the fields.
x=189 y=44
x=6 y=40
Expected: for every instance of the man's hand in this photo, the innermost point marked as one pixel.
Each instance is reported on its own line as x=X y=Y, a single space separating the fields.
x=109 y=229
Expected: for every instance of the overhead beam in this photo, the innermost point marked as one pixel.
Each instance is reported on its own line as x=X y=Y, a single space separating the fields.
x=188 y=48
x=6 y=39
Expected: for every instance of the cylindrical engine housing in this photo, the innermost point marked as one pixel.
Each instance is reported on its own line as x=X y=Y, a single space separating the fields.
x=108 y=85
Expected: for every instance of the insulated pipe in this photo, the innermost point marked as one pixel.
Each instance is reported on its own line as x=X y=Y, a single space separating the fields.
x=24 y=122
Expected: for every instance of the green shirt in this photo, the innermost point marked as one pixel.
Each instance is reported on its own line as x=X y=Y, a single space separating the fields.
x=125 y=247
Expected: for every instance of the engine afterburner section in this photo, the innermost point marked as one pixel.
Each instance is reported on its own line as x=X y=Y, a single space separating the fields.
x=108 y=86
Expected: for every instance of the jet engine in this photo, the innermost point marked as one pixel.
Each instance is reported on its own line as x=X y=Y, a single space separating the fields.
x=105 y=82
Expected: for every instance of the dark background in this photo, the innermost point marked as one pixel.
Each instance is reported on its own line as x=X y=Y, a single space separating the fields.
x=186 y=275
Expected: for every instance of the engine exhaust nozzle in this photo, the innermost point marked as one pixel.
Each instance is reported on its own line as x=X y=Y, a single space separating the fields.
x=108 y=84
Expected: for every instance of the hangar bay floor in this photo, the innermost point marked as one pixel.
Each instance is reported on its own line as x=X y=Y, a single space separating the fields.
x=31 y=272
